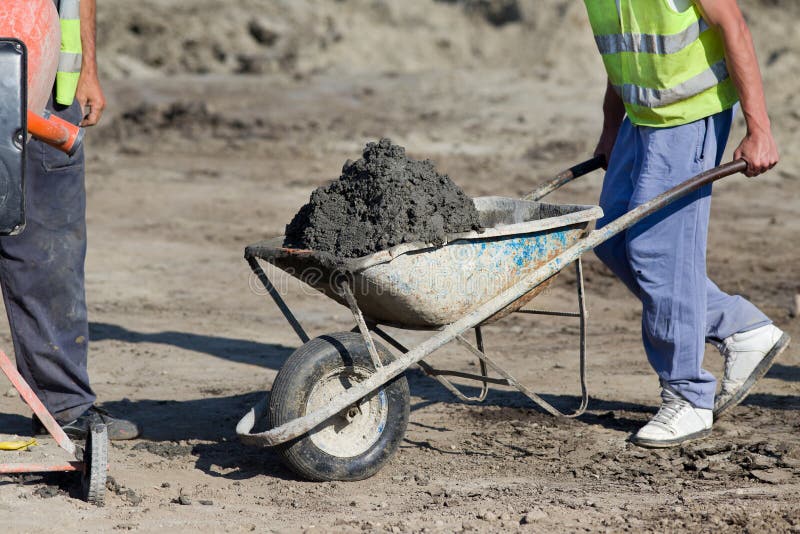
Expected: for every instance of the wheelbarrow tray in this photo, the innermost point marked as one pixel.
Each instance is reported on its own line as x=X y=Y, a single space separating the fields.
x=420 y=285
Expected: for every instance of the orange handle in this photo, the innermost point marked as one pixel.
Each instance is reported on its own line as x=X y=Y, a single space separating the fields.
x=56 y=132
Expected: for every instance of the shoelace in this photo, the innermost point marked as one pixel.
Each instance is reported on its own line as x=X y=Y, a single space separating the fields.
x=728 y=384
x=671 y=406
x=730 y=360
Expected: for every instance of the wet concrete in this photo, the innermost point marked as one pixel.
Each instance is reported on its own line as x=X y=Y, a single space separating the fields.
x=382 y=200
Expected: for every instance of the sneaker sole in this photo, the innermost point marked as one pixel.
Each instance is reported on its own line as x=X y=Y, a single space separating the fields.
x=662 y=444
x=80 y=435
x=757 y=374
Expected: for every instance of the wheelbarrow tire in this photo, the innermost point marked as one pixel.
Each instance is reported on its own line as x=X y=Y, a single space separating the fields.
x=340 y=449
x=95 y=465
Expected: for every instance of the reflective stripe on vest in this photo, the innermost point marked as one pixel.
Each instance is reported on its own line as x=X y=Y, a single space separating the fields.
x=656 y=98
x=69 y=63
x=668 y=66
x=650 y=44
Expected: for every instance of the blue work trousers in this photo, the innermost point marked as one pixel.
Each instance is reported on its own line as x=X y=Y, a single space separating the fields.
x=42 y=276
x=662 y=259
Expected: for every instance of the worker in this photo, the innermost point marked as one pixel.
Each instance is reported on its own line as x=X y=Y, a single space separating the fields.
x=42 y=269
x=677 y=70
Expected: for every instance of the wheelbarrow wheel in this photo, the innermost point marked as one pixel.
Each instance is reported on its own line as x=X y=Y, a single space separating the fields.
x=95 y=465
x=357 y=442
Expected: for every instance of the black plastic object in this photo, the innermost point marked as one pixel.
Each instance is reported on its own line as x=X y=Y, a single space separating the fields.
x=13 y=110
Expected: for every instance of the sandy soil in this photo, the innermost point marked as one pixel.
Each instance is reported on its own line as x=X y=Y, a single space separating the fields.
x=215 y=136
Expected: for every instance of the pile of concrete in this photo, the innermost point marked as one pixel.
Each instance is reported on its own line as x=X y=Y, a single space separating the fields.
x=382 y=200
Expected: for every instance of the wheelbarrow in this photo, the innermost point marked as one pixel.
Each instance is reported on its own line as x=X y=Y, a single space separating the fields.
x=339 y=406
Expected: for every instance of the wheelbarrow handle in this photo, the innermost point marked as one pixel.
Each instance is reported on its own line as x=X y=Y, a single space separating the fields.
x=668 y=197
x=565 y=177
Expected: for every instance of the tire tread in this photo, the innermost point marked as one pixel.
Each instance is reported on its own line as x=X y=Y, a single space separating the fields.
x=285 y=396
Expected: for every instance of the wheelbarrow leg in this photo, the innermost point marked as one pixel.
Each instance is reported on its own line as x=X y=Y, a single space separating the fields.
x=439 y=375
x=362 y=325
x=287 y=313
x=482 y=364
x=259 y=411
x=581 y=314
x=582 y=321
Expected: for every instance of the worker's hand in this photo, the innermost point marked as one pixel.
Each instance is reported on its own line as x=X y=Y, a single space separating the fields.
x=606 y=144
x=759 y=150
x=91 y=98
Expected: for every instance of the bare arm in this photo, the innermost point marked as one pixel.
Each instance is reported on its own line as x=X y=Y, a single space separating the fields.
x=89 y=93
x=758 y=147
x=613 y=113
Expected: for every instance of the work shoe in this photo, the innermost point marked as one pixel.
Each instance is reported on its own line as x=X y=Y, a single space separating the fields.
x=748 y=357
x=118 y=429
x=676 y=422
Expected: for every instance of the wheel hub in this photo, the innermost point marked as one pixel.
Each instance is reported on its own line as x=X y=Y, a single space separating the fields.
x=356 y=428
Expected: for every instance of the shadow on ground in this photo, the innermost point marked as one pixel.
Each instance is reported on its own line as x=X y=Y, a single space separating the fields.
x=14 y=424
x=772 y=401
x=237 y=350
x=273 y=356
x=213 y=419
x=167 y=425
x=789 y=373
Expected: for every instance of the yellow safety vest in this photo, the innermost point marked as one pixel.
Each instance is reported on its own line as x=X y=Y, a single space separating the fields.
x=69 y=62
x=668 y=67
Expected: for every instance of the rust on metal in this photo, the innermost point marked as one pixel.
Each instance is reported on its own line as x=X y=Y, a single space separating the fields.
x=35 y=404
x=8 y=469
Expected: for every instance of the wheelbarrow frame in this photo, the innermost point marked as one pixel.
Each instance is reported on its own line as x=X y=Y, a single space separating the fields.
x=91 y=461
x=472 y=320
x=364 y=326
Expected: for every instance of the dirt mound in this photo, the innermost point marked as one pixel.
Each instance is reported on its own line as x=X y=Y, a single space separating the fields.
x=547 y=38
x=382 y=200
x=191 y=119
x=497 y=12
x=305 y=37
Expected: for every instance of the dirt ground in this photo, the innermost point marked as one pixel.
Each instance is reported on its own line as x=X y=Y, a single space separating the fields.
x=213 y=139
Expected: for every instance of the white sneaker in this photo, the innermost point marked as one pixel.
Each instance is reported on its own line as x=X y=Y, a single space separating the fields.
x=676 y=422
x=748 y=357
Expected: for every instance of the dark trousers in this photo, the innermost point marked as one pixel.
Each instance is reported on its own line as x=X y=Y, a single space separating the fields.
x=42 y=276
